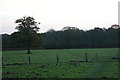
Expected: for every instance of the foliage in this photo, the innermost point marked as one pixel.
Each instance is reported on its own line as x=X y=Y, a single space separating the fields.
x=26 y=36
x=69 y=37
x=27 y=25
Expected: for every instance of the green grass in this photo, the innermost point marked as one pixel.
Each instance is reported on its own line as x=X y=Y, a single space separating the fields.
x=44 y=64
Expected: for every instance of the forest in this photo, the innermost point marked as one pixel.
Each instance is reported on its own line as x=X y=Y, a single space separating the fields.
x=68 y=38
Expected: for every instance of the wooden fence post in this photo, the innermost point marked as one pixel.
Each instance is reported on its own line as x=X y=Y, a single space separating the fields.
x=96 y=57
x=29 y=59
x=86 y=57
x=57 y=56
x=2 y=61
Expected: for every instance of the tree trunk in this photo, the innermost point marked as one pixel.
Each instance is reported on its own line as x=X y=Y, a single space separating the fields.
x=28 y=44
x=28 y=49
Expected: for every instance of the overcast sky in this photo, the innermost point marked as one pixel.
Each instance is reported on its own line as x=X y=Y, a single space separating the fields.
x=56 y=14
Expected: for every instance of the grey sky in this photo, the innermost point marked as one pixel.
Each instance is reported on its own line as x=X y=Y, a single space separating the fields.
x=56 y=14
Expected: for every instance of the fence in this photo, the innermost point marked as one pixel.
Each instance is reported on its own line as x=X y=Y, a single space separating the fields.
x=57 y=57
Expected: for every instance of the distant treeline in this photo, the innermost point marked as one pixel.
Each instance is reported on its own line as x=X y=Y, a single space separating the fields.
x=72 y=37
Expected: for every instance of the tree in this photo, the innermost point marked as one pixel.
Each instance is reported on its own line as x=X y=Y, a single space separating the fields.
x=68 y=37
x=115 y=26
x=27 y=32
x=6 y=41
x=51 y=30
x=70 y=28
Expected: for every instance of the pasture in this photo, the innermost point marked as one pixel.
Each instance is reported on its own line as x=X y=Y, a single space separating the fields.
x=44 y=63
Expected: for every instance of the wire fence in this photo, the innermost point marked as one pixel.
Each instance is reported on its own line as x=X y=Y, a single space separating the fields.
x=61 y=58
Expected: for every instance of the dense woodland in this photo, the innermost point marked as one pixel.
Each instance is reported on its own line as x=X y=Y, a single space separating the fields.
x=69 y=37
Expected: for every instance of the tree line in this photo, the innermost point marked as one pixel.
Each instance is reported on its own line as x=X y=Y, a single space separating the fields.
x=68 y=37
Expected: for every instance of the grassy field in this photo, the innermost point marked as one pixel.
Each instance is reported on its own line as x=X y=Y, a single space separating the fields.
x=100 y=63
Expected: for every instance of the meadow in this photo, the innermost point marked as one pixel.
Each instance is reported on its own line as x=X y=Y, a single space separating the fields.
x=44 y=63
